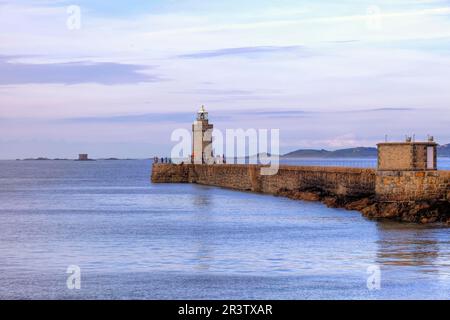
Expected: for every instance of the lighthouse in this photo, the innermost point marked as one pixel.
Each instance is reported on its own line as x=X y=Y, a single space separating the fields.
x=202 y=138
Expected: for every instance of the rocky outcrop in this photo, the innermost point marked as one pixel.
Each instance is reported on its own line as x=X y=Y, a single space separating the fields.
x=425 y=211
x=412 y=211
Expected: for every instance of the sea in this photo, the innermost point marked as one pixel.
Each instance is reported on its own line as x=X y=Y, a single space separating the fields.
x=102 y=230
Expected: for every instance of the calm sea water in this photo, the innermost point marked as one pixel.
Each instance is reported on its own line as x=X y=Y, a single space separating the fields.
x=135 y=240
x=443 y=163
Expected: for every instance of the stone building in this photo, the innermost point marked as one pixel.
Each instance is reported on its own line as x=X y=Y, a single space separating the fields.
x=202 y=151
x=407 y=156
x=83 y=157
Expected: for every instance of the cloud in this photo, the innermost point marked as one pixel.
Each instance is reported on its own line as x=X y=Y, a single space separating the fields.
x=184 y=118
x=279 y=113
x=107 y=73
x=218 y=92
x=390 y=109
x=242 y=52
x=346 y=140
x=179 y=117
x=381 y=109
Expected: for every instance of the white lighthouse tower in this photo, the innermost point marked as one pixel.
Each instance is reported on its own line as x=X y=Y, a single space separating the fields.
x=202 y=138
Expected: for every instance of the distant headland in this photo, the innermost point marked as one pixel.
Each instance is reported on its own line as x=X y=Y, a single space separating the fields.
x=66 y=159
x=358 y=152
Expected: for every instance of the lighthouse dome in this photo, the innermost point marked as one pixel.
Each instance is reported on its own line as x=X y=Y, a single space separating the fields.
x=202 y=114
x=202 y=109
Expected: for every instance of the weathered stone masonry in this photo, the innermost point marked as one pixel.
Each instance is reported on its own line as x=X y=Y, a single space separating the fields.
x=413 y=186
x=415 y=196
x=336 y=181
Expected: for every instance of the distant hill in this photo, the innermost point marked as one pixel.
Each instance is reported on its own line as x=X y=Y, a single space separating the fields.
x=307 y=153
x=360 y=152
x=444 y=150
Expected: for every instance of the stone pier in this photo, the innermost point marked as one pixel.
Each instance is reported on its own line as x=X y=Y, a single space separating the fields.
x=412 y=196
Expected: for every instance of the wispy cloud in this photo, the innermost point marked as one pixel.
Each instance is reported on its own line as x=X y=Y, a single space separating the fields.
x=248 y=52
x=184 y=118
x=381 y=110
x=179 y=117
x=107 y=73
x=279 y=113
x=390 y=109
x=219 y=92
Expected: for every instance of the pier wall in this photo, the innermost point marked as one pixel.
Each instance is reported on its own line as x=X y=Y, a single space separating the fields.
x=413 y=186
x=337 y=181
x=169 y=173
x=410 y=196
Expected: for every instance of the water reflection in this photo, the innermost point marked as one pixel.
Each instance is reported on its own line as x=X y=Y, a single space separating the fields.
x=203 y=258
x=410 y=245
x=201 y=201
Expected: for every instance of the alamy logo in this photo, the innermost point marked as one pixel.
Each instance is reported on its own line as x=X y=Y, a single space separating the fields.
x=374 y=279
x=240 y=146
x=74 y=279
x=374 y=18
x=74 y=19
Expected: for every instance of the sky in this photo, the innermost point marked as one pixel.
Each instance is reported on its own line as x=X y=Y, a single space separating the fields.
x=328 y=74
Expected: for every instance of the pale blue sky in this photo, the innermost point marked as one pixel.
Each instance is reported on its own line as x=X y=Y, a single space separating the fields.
x=329 y=74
